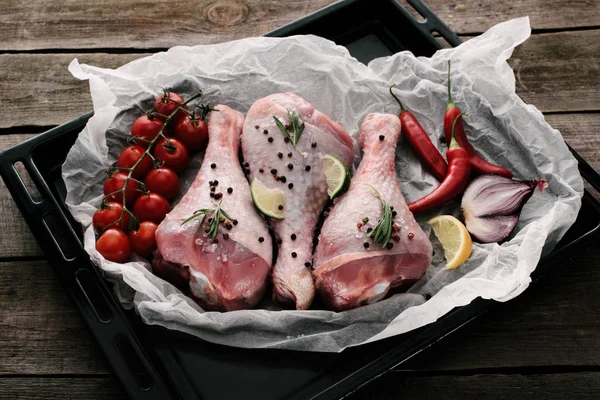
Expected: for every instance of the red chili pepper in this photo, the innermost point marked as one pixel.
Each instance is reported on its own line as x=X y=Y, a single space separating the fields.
x=478 y=165
x=421 y=144
x=455 y=182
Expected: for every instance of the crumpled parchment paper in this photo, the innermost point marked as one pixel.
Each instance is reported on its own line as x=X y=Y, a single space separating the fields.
x=500 y=125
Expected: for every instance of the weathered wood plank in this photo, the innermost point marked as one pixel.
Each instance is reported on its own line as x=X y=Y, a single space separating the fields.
x=40 y=329
x=581 y=132
x=553 y=323
x=555 y=72
x=41 y=90
x=71 y=24
x=473 y=16
x=15 y=237
x=37 y=388
x=572 y=386
x=559 y=71
x=140 y=24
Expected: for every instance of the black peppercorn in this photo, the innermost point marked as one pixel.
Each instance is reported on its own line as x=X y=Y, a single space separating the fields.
x=283 y=179
x=381 y=137
x=226 y=236
x=218 y=195
x=294 y=255
x=274 y=171
x=235 y=221
x=307 y=264
x=290 y=166
x=389 y=245
x=266 y=132
x=261 y=170
x=216 y=182
x=229 y=190
x=261 y=239
x=286 y=139
x=369 y=230
x=394 y=213
x=313 y=144
x=280 y=155
x=280 y=207
x=213 y=165
x=366 y=244
x=270 y=140
x=290 y=186
x=307 y=168
x=290 y=154
x=293 y=236
x=228 y=226
x=256 y=126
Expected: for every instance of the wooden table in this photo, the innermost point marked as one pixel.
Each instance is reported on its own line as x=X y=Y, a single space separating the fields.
x=544 y=344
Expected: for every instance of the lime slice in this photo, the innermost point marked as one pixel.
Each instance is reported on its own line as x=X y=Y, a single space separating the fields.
x=270 y=202
x=337 y=176
x=454 y=237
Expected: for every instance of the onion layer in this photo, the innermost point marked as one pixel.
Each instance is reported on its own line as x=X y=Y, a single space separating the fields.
x=492 y=204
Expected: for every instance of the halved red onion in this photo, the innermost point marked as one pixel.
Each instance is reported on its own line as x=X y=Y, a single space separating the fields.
x=492 y=204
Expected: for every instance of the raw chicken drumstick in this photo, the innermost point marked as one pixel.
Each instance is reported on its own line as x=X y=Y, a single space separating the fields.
x=351 y=269
x=296 y=170
x=230 y=271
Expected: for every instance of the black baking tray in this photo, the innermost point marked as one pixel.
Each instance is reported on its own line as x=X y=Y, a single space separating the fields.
x=155 y=363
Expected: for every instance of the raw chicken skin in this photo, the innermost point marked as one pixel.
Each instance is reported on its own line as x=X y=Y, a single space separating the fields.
x=279 y=165
x=347 y=274
x=232 y=273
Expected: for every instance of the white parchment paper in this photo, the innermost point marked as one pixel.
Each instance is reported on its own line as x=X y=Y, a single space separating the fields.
x=500 y=125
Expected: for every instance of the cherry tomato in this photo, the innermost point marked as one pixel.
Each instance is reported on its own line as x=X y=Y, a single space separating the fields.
x=151 y=207
x=116 y=182
x=168 y=102
x=193 y=133
x=114 y=245
x=108 y=216
x=130 y=155
x=163 y=181
x=147 y=129
x=172 y=153
x=142 y=240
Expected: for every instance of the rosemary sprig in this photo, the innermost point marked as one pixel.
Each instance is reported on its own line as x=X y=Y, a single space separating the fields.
x=218 y=216
x=383 y=230
x=294 y=129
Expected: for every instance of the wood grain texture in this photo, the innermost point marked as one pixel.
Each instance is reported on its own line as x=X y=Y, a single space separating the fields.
x=40 y=329
x=15 y=236
x=140 y=24
x=71 y=388
x=575 y=386
x=474 y=16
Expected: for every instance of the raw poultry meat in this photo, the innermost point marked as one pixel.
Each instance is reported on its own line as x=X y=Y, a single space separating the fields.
x=351 y=269
x=298 y=172
x=230 y=272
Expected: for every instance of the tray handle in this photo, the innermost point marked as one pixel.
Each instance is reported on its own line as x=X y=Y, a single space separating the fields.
x=434 y=24
x=106 y=321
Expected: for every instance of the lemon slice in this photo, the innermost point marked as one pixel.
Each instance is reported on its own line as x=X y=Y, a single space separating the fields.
x=337 y=175
x=454 y=237
x=270 y=202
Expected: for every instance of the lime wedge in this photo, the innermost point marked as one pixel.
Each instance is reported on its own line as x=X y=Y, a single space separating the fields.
x=270 y=202
x=337 y=175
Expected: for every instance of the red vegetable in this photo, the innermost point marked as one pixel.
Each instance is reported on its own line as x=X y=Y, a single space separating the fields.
x=192 y=132
x=172 y=153
x=459 y=170
x=108 y=217
x=163 y=181
x=130 y=156
x=114 y=245
x=145 y=129
x=116 y=182
x=421 y=144
x=167 y=103
x=478 y=164
x=143 y=241
x=151 y=207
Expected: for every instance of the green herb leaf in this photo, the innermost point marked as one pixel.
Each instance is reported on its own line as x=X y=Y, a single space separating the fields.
x=295 y=130
x=213 y=225
x=383 y=230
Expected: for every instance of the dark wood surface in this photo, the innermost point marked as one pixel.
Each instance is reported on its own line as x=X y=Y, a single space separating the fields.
x=544 y=344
